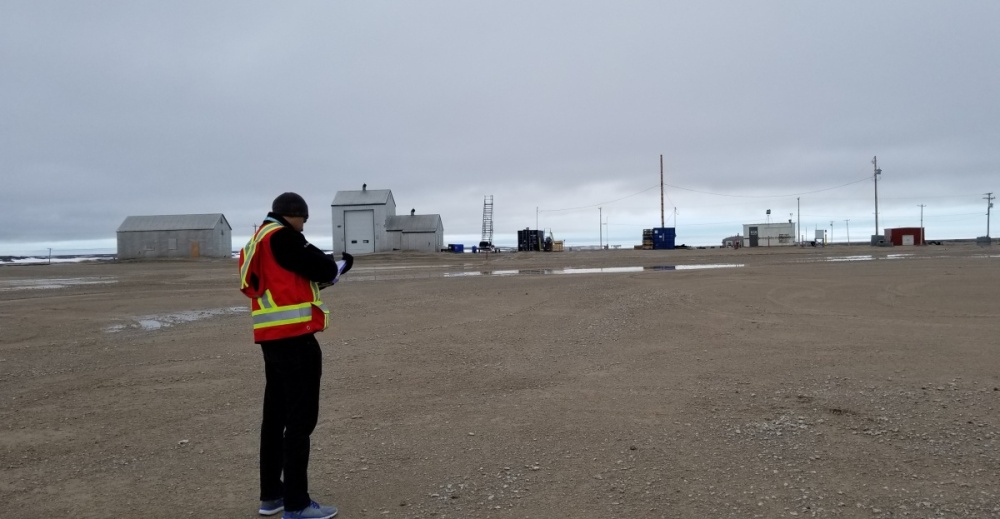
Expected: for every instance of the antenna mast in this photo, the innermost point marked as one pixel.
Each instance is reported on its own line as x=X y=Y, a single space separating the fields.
x=486 y=242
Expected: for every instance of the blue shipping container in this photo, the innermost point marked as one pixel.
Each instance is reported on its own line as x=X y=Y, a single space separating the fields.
x=664 y=237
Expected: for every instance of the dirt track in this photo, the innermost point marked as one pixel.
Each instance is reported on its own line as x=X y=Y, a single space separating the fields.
x=791 y=385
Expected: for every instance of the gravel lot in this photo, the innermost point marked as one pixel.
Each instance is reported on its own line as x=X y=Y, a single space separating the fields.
x=837 y=382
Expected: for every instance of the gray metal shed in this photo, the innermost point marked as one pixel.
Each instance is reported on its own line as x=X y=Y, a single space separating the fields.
x=420 y=232
x=175 y=236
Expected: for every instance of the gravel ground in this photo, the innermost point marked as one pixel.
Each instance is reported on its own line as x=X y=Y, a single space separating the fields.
x=838 y=382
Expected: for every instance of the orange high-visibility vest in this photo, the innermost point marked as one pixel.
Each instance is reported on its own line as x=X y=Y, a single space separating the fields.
x=284 y=304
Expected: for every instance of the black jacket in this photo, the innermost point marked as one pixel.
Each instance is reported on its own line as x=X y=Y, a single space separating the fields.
x=294 y=253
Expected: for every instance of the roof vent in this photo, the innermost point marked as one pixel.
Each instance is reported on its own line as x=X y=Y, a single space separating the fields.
x=364 y=187
x=413 y=212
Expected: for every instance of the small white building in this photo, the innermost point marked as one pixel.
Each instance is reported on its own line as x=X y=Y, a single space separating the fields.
x=365 y=222
x=175 y=236
x=768 y=234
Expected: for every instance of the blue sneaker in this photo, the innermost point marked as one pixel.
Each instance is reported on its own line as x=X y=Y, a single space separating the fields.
x=313 y=511
x=271 y=507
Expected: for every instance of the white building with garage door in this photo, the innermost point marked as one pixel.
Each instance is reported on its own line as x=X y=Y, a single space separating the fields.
x=365 y=222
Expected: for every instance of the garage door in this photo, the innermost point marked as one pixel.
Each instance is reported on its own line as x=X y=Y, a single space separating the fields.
x=359 y=231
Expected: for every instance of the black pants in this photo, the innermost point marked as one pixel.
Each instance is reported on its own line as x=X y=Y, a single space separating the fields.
x=292 y=368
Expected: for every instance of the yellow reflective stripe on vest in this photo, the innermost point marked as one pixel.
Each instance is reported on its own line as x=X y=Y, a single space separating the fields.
x=251 y=248
x=265 y=301
x=277 y=316
x=270 y=314
x=319 y=304
x=326 y=313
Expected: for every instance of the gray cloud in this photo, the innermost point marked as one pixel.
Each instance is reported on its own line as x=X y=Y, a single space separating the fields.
x=119 y=108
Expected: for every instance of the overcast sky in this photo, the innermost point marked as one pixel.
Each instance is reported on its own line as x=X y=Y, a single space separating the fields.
x=558 y=109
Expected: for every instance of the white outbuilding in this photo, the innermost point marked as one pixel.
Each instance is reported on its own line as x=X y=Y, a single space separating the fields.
x=175 y=236
x=365 y=222
x=418 y=232
x=768 y=234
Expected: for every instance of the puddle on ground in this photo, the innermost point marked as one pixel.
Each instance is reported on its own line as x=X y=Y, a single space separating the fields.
x=155 y=322
x=40 y=284
x=597 y=270
x=867 y=257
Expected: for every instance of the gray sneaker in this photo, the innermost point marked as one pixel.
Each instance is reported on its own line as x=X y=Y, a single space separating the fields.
x=313 y=511
x=271 y=507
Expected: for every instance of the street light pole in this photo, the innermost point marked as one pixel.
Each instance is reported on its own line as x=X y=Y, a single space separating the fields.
x=848 y=224
x=600 y=228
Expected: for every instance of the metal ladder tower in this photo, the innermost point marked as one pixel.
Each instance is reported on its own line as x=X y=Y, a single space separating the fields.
x=487 y=239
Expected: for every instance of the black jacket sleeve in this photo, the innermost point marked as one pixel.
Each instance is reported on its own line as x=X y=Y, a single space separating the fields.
x=294 y=253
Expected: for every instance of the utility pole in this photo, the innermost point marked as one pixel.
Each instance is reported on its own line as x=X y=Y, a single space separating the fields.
x=798 y=211
x=921 y=206
x=608 y=229
x=848 y=224
x=989 y=205
x=536 y=217
x=662 y=222
x=878 y=172
x=600 y=228
x=831 y=231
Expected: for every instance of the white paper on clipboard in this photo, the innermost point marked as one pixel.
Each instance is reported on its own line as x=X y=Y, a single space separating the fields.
x=340 y=269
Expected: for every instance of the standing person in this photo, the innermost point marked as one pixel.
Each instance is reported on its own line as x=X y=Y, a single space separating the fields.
x=282 y=274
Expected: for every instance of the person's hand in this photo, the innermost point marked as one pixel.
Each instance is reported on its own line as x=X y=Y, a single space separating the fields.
x=348 y=263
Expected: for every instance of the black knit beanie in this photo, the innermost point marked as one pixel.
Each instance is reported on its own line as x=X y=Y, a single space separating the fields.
x=290 y=204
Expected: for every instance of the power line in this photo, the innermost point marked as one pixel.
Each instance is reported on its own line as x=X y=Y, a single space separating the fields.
x=728 y=195
x=591 y=206
x=923 y=197
x=770 y=196
x=957 y=215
